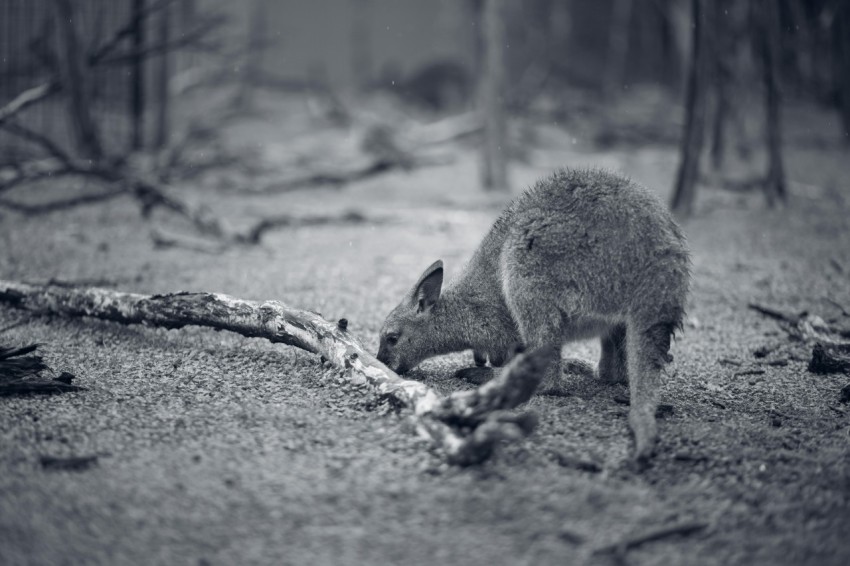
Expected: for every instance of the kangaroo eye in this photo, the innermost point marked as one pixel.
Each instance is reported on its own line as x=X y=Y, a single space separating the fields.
x=392 y=339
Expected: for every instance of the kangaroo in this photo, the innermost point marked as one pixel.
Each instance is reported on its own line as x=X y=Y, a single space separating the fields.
x=581 y=254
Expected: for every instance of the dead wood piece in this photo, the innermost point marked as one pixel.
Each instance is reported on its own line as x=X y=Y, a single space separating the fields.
x=49 y=207
x=15 y=364
x=19 y=373
x=830 y=358
x=775 y=313
x=478 y=418
x=753 y=371
x=36 y=386
x=569 y=461
x=255 y=234
x=73 y=463
x=629 y=543
x=163 y=240
x=468 y=408
x=803 y=327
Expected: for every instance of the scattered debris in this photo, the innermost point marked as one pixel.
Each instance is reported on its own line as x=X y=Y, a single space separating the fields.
x=19 y=373
x=664 y=410
x=765 y=351
x=65 y=377
x=844 y=397
x=622 y=399
x=776 y=313
x=568 y=461
x=629 y=543
x=689 y=457
x=830 y=358
x=73 y=463
x=753 y=371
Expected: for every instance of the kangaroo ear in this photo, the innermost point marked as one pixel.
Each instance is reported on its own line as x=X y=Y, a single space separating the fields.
x=427 y=289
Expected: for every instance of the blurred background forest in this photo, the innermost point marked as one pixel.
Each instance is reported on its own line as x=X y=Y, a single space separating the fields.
x=139 y=95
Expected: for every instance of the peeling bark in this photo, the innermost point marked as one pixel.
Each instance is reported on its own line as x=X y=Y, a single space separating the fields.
x=465 y=426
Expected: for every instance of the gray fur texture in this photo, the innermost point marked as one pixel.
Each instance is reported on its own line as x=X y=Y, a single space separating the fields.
x=583 y=253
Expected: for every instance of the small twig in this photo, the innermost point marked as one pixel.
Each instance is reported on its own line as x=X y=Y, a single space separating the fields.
x=109 y=45
x=46 y=208
x=754 y=371
x=254 y=235
x=163 y=240
x=188 y=39
x=774 y=313
x=27 y=98
x=14 y=325
x=838 y=305
x=636 y=541
x=73 y=463
x=729 y=362
x=576 y=463
x=40 y=139
x=25 y=386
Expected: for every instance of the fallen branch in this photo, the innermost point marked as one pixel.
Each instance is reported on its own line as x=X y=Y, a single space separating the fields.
x=48 y=207
x=682 y=529
x=255 y=234
x=775 y=313
x=72 y=463
x=465 y=426
x=804 y=327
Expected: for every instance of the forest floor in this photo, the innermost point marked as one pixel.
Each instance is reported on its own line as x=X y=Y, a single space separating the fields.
x=218 y=449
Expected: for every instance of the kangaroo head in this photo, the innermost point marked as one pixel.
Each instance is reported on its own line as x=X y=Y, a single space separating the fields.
x=408 y=334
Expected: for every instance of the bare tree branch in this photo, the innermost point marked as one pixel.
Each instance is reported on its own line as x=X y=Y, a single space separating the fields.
x=123 y=33
x=27 y=98
x=465 y=427
x=39 y=139
x=46 y=208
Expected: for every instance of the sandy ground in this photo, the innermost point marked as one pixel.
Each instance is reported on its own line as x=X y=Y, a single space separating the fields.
x=218 y=449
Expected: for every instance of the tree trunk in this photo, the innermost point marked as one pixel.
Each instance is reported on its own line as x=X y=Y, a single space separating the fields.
x=768 y=32
x=75 y=82
x=254 y=49
x=618 y=46
x=494 y=162
x=137 y=85
x=361 y=53
x=842 y=81
x=163 y=74
x=724 y=45
x=684 y=193
x=465 y=426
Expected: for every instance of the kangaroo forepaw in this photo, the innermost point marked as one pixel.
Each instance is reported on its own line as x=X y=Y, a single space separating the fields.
x=577 y=367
